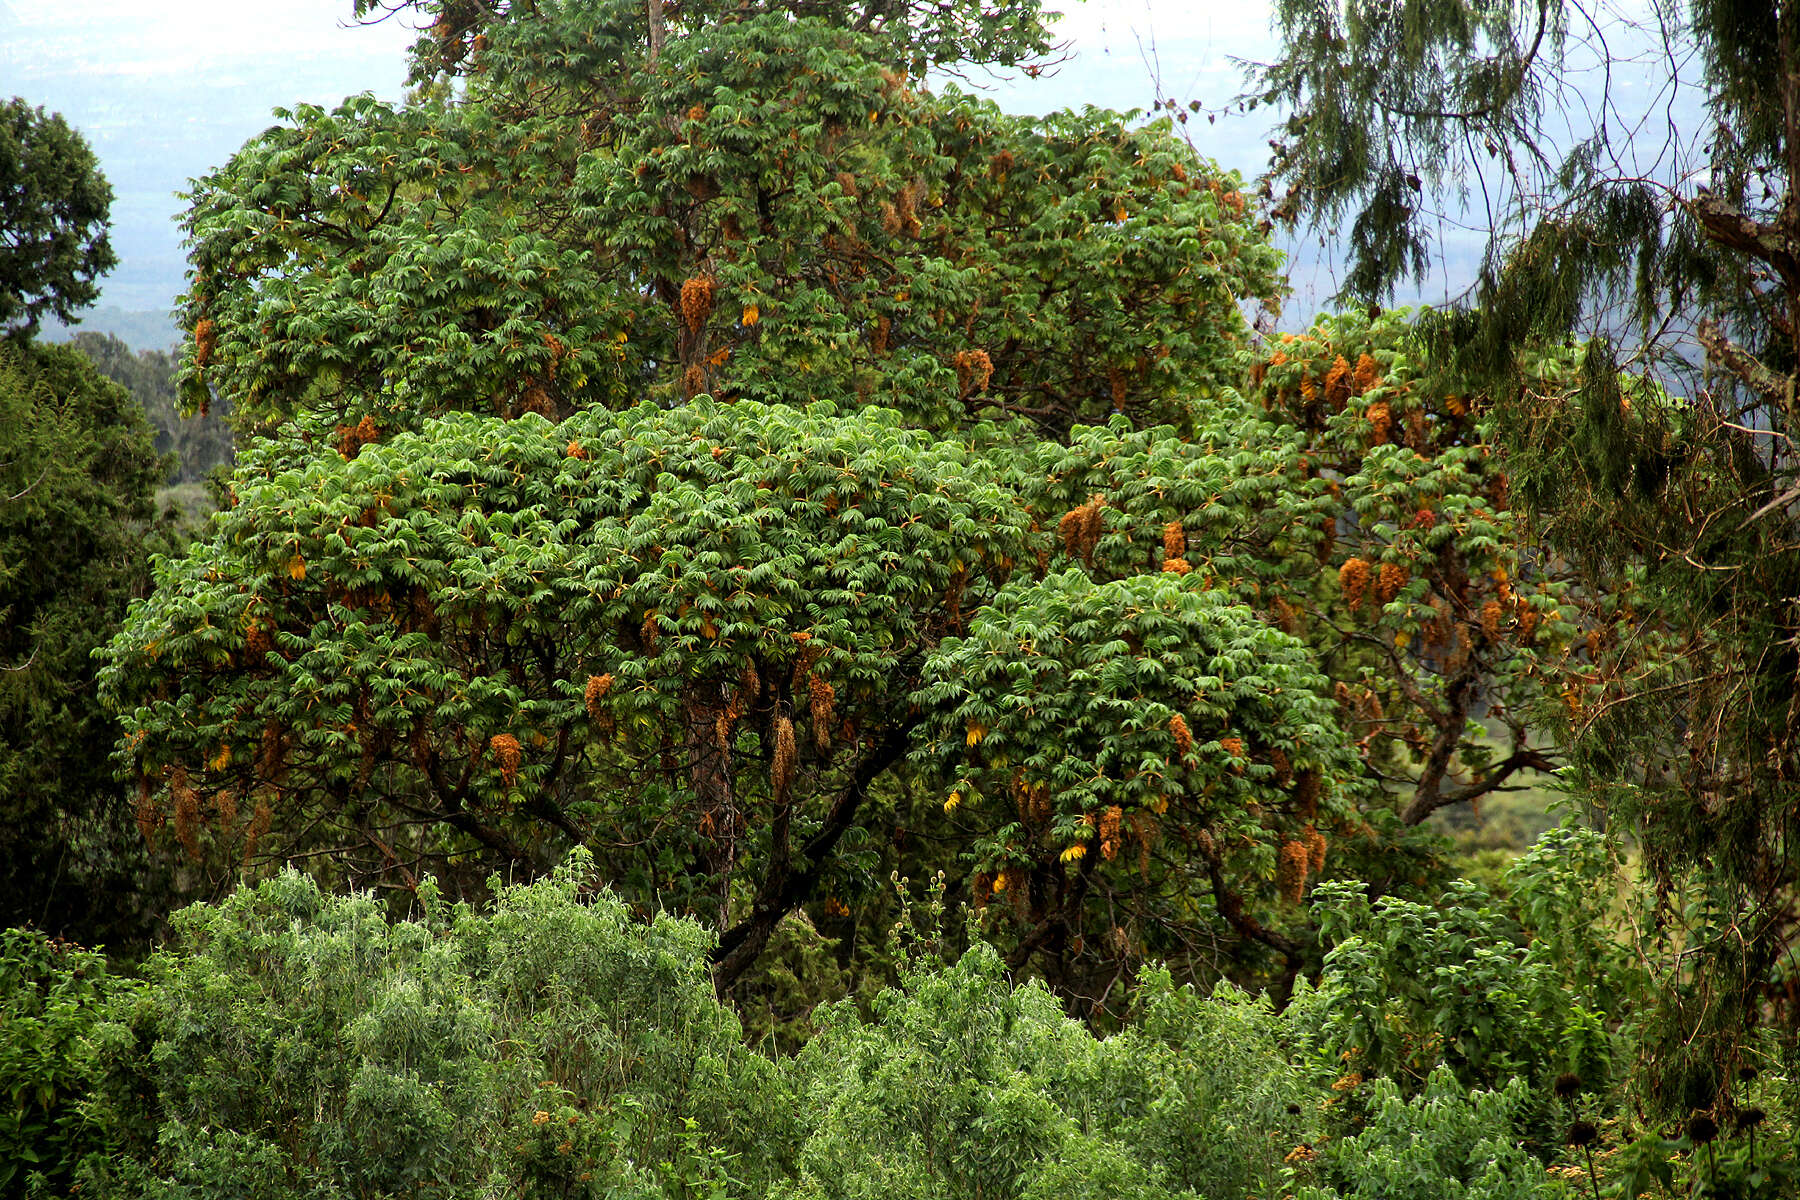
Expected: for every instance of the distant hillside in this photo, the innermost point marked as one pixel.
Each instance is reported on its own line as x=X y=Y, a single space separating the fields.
x=140 y=329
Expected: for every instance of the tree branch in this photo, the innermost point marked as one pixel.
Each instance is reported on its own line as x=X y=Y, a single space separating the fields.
x=783 y=888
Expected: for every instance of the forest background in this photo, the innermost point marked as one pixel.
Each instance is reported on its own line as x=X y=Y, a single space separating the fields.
x=776 y=628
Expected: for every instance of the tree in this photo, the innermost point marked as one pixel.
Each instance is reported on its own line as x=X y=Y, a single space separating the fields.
x=53 y=210
x=1683 y=720
x=685 y=636
x=762 y=213
x=1124 y=748
x=771 y=207
x=77 y=474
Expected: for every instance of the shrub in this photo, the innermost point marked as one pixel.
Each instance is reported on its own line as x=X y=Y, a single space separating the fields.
x=964 y=1085
x=52 y=993
x=291 y=1043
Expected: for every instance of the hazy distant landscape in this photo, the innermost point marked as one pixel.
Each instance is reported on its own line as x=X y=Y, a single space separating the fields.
x=143 y=329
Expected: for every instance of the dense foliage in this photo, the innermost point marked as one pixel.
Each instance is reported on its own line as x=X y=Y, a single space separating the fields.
x=77 y=473
x=53 y=994
x=551 y=1044
x=769 y=207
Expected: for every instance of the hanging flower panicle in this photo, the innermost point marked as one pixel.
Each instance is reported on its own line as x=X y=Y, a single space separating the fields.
x=696 y=301
x=507 y=754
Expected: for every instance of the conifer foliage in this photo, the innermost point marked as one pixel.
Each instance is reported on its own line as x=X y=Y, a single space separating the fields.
x=53 y=218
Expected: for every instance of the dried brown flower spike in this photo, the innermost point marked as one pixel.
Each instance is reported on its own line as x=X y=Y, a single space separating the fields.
x=696 y=301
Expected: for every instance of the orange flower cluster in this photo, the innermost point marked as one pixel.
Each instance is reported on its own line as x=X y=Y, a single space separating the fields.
x=974 y=371
x=1291 y=863
x=1391 y=578
x=225 y=805
x=1353 y=581
x=781 y=769
x=696 y=301
x=507 y=753
x=1184 y=737
x=597 y=687
x=575 y=450
x=1368 y=372
x=1316 y=848
x=1415 y=427
x=1080 y=528
x=352 y=438
x=906 y=209
x=693 y=381
x=206 y=340
x=1032 y=800
x=149 y=817
x=187 y=811
x=1174 y=540
x=1492 y=613
x=1338 y=382
x=819 y=698
x=1382 y=418
x=1233 y=746
x=1110 y=821
x=1286 y=617
x=1143 y=826
x=269 y=753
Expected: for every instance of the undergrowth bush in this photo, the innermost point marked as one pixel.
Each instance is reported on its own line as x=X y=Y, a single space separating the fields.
x=52 y=993
x=289 y=1043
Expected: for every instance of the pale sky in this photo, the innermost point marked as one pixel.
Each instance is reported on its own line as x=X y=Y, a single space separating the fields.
x=165 y=91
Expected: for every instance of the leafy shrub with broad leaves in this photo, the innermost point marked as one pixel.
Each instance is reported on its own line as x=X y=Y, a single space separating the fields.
x=1493 y=993
x=1443 y=1143
x=52 y=994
